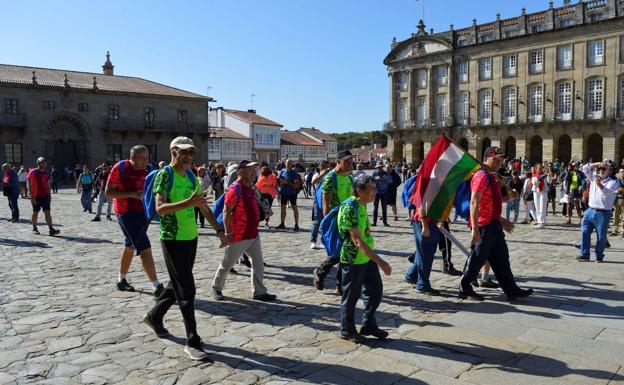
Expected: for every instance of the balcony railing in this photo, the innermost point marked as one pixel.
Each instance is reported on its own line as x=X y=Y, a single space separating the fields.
x=13 y=120
x=155 y=126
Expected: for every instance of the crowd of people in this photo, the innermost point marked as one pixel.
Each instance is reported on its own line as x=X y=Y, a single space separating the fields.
x=180 y=193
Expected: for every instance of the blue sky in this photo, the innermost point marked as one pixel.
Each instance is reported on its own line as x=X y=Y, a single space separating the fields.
x=310 y=63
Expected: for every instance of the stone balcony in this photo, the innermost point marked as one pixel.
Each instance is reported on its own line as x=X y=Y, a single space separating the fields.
x=13 y=120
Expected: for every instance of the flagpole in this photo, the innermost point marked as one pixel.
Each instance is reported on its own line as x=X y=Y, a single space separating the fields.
x=456 y=241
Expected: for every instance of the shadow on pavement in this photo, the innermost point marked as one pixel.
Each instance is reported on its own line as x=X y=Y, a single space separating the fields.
x=13 y=242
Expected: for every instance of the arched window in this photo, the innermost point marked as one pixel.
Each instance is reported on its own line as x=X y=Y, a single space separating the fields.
x=509 y=105
x=564 y=100
x=536 y=102
x=485 y=106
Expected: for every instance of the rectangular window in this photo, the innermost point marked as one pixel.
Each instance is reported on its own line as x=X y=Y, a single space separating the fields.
x=402 y=113
x=420 y=112
x=214 y=149
x=113 y=111
x=422 y=79
x=511 y=33
x=535 y=103
x=462 y=42
x=402 y=81
x=83 y=107
x=621 y=49
x=621 y=103
x=565 y=23
x=11 y=106
x=564 y=57
x=509 y=105
x=594 y=98
x=441 y=75
x=485 y=68
x=462 y=72
x=595 y=52
x=182 y=116
x=485 y=106
x=564 y=101
x=49 y=104
x=509 y=65
x=595 y=17
x=485 y=37
x=536 y=28
x=441 y=110
x=148 y=113
x=13 y=153
x=536 y=61
x=152 y=149
x=113 y=152
x=463 y=108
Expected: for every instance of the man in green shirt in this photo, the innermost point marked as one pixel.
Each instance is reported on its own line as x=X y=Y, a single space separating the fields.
x=360 y=264
x=175 y=204
x=335 y=187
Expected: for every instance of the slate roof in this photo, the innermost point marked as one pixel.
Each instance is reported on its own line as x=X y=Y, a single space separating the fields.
x=251 y=117
x=14 y=74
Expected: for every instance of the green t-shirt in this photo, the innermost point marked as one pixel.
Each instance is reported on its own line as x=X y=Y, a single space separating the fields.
x=348 y=219
x=180 y=225
x=340 y=191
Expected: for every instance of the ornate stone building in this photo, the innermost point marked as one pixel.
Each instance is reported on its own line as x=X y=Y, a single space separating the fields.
x=547 y=85
x=78 y=117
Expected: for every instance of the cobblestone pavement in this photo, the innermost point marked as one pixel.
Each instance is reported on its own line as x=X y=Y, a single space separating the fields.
x=63 y=322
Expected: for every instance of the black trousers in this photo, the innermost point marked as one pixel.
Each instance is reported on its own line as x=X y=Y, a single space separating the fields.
x=354 y=277
x=383 y=198
x=444 y=244
x=179 y=258
x=325 y=267
x=199 y=215
x=493 y=248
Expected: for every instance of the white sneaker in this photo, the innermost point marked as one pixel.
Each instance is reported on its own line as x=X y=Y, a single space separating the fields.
x=313 y=245
x=195 y=354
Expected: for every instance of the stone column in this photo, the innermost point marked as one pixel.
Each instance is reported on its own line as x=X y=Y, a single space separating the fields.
x=548 y=150
x=430 y=107
x=578 y=145
x=450 y=95
x=411 y=101
x=393 y=111
x=409 y=152
x=608 y=147
x=520 y=147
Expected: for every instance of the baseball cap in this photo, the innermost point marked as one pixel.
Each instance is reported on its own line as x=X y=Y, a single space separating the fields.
x=344 y=155
x=493 y=152
x=41 y=159
x=247 y=163
x=182 y=142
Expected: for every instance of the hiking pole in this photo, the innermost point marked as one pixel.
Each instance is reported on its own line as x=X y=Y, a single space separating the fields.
x=457 y=243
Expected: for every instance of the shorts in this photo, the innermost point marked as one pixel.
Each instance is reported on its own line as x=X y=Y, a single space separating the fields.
x=134 y=227
x=41 y=203
x=268 y=197
x=23 y=184
x=392 y=198
x=284 y=199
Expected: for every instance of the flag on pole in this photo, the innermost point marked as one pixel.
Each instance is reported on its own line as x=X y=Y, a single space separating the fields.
x=444 y=168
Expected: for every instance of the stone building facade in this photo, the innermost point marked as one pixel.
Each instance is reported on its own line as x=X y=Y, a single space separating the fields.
x=78 y=117
x=547 y=85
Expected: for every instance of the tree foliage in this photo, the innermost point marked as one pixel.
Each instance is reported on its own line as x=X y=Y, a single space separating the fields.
x=349 y=140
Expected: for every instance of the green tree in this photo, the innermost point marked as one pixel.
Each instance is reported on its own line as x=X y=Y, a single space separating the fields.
x=349 y=140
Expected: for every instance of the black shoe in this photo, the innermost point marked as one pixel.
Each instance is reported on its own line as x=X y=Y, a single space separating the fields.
x=123 y=285
x=474 y=283
x=520 y=294
x=217 y=295
x=266 y=297
x=429 y=291
x=374 y=224
x=470 y=294
x=376 y=332
x=159 y=290
x=54 y=232
x=245 y=261
x=233 y=271
x=353 y=337
x=157 y=327
x=409 y=281
x=451 y=271
x=280 y=227
x=488 y=283
x=109 y=218
x=582 y=259
x=386 y=224
x=96 y=219
x=411 y=257
x=318 y=283
x=296 y=227
x=35 y=231
x=607 y=245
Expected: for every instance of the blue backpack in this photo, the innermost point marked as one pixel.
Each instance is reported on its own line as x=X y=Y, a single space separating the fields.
x=217 y=207
x=329 y=230
x=408 y=190
x=318 y=195
x=149 y=200
x=462 y=197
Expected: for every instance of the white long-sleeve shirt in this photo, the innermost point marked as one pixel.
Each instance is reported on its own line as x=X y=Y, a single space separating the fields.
x=601 y=199
x=535 y=182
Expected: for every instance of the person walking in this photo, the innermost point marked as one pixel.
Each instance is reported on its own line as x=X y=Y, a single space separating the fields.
x=11 y=190
x=552 y=188
x=317 y=211
x=602 y=193
x=125 y=187
x=574 y=182
x=487 y=226
x=217 y=180
x=360 y=264
x=288 y=193
x=395 y=182
x=382 y=179
x=84 y=185
x=527 y=197
x=22 y=174
x=101 y=180
x=54 y=178
x=40 y=197
x=204 y=181
x=241 y=215
x=336 y=187
x=445 y=245
x=515 y=184
x=175 y=203
x=540 y=183
x=427 y=236
x=267 y=185
x=619 y=205
x=360 y=170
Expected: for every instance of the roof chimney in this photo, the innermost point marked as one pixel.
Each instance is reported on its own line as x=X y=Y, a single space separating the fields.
x=108 y=66
x=252 y=111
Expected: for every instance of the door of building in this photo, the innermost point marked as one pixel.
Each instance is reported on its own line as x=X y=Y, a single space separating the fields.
x=65 y=154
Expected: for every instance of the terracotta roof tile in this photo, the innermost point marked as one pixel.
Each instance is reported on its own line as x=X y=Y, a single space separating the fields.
x=251 y=117
x=222 y=132
x=13 y=74
x=317 y=134
x=297 y=138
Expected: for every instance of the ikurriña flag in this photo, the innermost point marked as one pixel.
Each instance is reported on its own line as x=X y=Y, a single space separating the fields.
x=444 y=168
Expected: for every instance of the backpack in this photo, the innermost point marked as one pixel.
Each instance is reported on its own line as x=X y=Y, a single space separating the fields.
x=329 y=230
x=217 y=207
x=461 y=203
x=408 y=190
x=149 y=200
x=318 y=194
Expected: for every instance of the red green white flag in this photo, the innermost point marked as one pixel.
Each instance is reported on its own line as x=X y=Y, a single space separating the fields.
x=444 y=168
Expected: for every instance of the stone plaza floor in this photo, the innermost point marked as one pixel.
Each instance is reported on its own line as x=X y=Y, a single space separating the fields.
x=63 y=322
